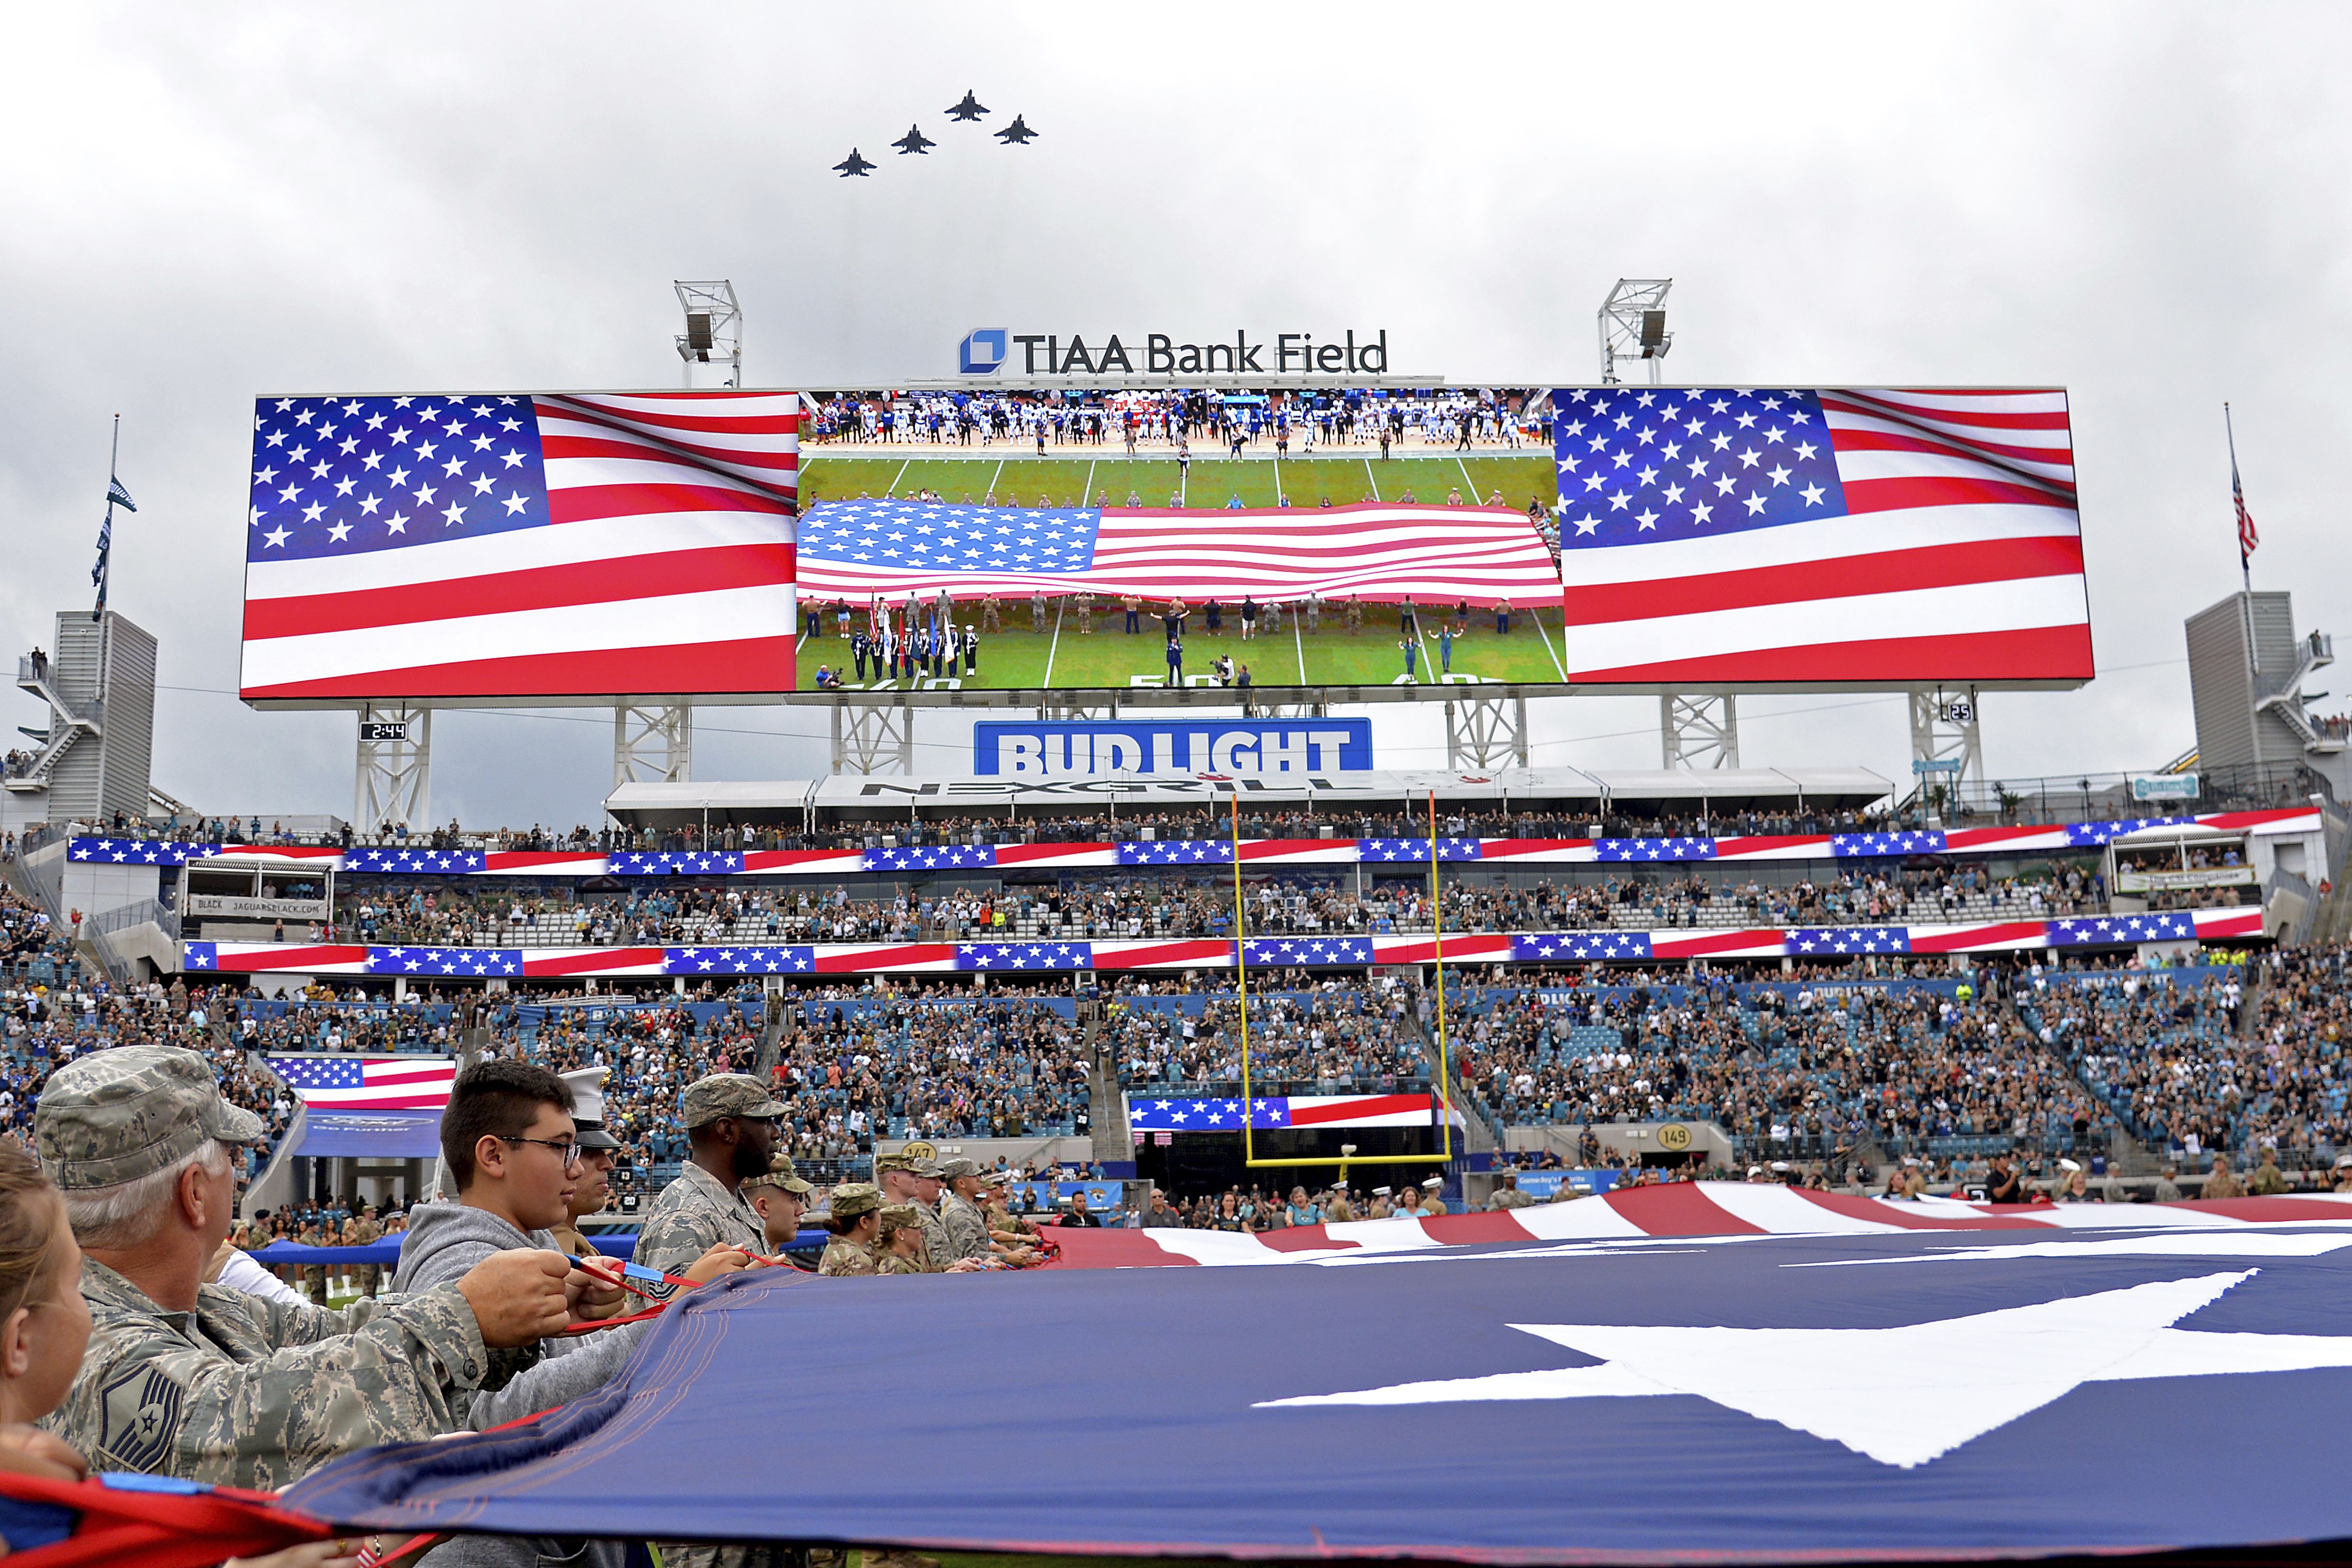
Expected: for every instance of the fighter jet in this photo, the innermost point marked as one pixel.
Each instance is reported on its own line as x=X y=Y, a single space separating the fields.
x=970 y=108
x=854 y=166
x=914 y=141
x=1016 y=135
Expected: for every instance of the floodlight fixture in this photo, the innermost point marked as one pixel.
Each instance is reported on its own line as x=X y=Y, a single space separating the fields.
x=714 y=328
x=1633 y=326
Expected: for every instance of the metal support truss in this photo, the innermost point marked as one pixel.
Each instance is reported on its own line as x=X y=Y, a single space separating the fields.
x=714 y=330
x=1485 y=732
x=870 y=738
x=1633 y=327
x=395 y=767
x=653 y=745
x=1699 y=729
x=1947 y=751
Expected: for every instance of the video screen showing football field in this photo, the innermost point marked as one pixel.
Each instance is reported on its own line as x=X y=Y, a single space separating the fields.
x=1025 y=638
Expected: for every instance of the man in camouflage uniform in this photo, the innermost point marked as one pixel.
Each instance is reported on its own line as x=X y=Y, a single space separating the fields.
x=780 y=1199
x=194 y=1381
x=1506 y=1194
x=731 y=1120
x=314 y=1275
x=845 y=1254
x=902 y=1231
x=364 y=1231
x=960 y=1219
x=909 y=1179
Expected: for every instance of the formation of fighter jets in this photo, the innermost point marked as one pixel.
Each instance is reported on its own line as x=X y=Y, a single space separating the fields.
x=856 y=166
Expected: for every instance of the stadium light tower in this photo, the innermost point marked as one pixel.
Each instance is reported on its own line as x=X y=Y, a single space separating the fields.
x=653 y=743
x=1633 y=327
x=714 y=329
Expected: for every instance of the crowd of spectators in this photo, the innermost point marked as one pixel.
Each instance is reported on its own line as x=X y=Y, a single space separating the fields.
x=1451 y=419
x=1329 y=1037
x=1899 y=1066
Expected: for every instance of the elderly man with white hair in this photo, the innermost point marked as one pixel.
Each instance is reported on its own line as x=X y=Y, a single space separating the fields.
x=186 y=1379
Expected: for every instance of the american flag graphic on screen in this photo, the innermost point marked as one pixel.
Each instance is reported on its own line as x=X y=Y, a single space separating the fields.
x=366 y=1083
x=522 y=546
x=1754 y=535
x=852 y=549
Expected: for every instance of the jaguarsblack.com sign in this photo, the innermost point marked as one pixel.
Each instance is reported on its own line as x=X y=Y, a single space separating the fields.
x=988 y=348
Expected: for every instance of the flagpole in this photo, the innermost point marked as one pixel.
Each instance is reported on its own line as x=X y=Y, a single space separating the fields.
x=2245 y=561
x=105 y=528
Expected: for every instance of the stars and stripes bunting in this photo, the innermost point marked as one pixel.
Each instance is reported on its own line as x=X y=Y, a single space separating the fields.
x=1351 y=951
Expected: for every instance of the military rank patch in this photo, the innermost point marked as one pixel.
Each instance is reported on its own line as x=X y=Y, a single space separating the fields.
x=142 y=1414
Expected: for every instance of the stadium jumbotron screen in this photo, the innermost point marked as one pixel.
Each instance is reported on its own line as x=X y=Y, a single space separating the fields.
x=1169 y=545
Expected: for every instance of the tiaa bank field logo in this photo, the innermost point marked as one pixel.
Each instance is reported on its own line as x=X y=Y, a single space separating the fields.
x=982 y=352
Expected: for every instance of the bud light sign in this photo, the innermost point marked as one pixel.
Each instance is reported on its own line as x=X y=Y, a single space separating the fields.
x=1264 y=749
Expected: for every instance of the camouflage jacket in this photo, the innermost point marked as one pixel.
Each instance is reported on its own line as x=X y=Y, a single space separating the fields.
x=843 y=1256
x=938 y=1248
x=250 y=1393
x=693 y=1215
x=891 y=1263
x=966 y=1228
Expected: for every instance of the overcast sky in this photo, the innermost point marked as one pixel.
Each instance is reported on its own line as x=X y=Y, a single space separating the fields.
x=2143 y=202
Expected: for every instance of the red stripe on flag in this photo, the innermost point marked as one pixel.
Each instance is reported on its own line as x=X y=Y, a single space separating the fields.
x=1800 y=581
x=1164 y=952
x=1987 y=418
x=1267 y=848
x=1014 y=854
x=612 y=581
x=1973 y=937
x=744 y=665
x=1678 y=1208
x=1502 y=848
x=1686 y=944
x=593 y=962
x=1354 y=1109
x=579 y=503
x=880 y=960
x=1852 y=440
x=1945 y=490
x=2036 y=653
x=1854 y=1208
x=287 y=958
x=1729 y=848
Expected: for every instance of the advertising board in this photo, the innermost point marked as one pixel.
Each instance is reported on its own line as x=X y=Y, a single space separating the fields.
x=1178 y=748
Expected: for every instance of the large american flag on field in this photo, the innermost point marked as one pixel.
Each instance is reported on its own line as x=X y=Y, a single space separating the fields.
x=516 y=544
x=852 y=549
x=368 y=1083
x=1756 y=535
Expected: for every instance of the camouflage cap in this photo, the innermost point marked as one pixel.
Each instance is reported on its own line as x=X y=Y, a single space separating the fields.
x=115 y=1116
x=956 y=1165
x=899 y=1216
x=913 y=1165
x=854 y=1198
x=779 y=1173
x=725 y=1094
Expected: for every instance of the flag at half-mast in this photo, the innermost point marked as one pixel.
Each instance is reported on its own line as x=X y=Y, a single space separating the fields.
x=116 y=496
x=2247 y=537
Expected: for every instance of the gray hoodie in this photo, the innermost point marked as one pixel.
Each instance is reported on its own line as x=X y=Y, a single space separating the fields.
x=444 y=1240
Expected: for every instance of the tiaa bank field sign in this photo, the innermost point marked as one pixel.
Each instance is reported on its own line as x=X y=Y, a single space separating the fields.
x=1177 y=749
